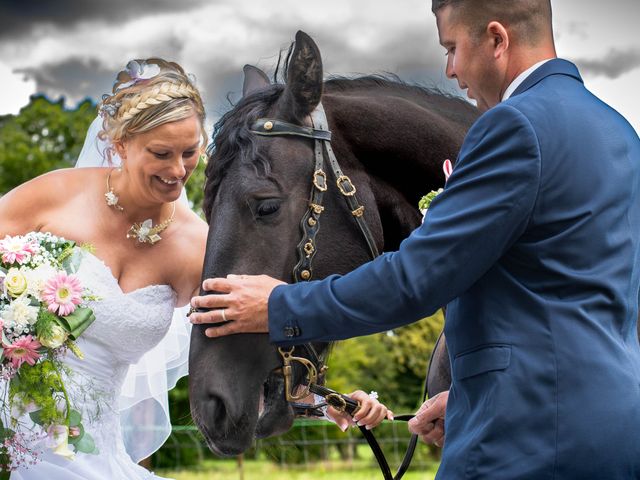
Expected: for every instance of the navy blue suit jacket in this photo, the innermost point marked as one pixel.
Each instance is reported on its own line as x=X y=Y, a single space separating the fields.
x=535 y=247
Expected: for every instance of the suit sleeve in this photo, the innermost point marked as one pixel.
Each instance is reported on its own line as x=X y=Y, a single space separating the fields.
x=484 y=208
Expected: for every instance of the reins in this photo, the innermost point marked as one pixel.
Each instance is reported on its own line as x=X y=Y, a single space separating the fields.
x=303 y=271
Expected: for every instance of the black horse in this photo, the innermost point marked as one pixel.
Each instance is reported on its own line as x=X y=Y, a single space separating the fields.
x=390 y=139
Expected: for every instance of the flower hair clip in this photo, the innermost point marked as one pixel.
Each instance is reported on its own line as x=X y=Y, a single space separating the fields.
x=110 y=109
x=138 y=72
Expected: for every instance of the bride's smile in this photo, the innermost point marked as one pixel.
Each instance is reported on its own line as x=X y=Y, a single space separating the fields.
x=158 y=163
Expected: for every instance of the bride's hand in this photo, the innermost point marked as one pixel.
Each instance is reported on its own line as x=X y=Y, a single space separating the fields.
x=370 y=414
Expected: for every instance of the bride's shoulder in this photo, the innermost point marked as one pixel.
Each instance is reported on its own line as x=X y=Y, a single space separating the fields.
x=22 y=208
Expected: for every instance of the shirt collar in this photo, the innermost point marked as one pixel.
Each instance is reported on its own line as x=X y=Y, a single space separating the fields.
x=521 y=78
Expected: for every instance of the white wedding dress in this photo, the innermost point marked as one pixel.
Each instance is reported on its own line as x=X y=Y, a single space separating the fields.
x=126 y=326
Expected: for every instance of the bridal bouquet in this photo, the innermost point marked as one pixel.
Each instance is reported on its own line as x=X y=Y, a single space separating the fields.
x=42 y=311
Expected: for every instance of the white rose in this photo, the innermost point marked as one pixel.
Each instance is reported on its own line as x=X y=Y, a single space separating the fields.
x=15 y=282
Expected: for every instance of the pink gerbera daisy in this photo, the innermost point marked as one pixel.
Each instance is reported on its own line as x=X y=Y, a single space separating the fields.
x=24 y=349
x=62 y=293
x=17 y=249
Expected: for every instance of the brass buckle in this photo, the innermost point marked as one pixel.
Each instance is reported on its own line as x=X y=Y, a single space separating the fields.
x=341 y=403
x=351 y=187
x=287 y=372
x=358 y=212
x=320 y=180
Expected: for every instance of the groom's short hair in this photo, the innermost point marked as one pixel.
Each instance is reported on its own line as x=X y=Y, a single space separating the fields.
x=529 y=20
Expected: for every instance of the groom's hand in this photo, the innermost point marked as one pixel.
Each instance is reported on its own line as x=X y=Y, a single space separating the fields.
x=240 y=304
x=429 y=420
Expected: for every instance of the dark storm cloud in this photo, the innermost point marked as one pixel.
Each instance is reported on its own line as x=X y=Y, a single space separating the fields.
x=74 y=79
x=613 y=65
x=17 y=18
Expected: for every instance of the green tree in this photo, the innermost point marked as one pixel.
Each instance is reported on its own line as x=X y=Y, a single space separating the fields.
x=44 y=136
x=394 y=364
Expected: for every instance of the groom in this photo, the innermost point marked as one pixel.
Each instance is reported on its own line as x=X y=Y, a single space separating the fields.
x=535 y=247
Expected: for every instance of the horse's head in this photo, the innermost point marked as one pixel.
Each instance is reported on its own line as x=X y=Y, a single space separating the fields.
x=257 y=192
x=390 y=139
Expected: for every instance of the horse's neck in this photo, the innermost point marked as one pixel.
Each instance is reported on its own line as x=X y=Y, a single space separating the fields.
x=401 y=144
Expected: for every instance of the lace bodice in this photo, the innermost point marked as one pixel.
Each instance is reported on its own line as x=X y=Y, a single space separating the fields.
x=126 y=326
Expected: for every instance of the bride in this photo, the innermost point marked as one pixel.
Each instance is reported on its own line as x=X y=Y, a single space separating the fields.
x=147 y=254
x=147 y=257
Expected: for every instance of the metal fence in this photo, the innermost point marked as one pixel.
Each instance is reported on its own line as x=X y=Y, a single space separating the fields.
x=307 y=443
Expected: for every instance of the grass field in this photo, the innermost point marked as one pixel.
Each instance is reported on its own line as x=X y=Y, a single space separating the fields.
x=265 y=470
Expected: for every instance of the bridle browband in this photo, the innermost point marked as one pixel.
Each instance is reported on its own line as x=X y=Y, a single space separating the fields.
x=303 y=271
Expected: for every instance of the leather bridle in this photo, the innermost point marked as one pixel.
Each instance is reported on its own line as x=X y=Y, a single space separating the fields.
x=310 y=223
x=303 y=271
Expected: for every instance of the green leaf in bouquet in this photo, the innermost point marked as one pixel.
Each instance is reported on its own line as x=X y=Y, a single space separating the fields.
x=75 y=440
x=4 y=460
x=36 y=417
x=5 y=433
x=74 y=418
x=45 y=321
x=78 y=321
x=86 y=444
x=71 y=258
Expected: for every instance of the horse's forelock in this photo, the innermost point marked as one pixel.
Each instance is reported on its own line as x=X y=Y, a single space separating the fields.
x=234 y=142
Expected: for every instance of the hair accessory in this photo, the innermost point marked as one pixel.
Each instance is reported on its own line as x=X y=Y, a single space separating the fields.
x=139 y=71
x=108 y=109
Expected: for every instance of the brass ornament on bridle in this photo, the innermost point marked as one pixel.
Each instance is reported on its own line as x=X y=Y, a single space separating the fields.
x=287 y=372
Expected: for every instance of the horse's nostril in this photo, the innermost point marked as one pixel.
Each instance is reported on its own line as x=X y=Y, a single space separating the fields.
x=215 y=410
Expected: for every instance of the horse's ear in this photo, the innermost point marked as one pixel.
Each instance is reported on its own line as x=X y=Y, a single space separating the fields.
x=304 y=80
x=254 y=80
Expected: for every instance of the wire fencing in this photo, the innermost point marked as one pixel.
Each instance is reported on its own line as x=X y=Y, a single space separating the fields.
x=308 y=443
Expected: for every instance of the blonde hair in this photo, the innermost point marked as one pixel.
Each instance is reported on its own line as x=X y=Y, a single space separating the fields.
x=167 y=97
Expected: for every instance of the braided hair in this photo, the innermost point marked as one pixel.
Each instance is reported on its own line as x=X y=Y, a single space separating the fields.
x=139 y=105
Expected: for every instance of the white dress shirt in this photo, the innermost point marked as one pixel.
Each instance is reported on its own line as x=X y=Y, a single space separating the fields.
x=521 y=78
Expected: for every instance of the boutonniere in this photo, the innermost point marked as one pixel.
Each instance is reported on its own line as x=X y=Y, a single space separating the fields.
x=426 y=200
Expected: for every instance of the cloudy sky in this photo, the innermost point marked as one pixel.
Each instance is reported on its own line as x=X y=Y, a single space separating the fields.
x=73 y=48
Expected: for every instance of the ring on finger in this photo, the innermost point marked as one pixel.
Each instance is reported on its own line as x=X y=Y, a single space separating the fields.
x=224 y=317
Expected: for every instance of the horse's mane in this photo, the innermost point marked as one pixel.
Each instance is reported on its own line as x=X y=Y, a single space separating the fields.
x=232 y=140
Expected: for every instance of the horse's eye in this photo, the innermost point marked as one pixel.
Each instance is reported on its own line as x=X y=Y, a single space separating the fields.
x=268 y=207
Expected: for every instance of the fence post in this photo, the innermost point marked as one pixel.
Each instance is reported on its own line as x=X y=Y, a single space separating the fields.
x=241 y=465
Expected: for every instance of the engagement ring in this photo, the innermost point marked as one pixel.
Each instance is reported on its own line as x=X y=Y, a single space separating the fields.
x=373 y=395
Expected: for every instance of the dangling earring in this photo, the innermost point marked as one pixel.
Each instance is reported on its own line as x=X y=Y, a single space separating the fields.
x=110 y=196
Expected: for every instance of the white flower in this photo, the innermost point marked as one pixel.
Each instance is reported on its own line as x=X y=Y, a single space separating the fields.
x=20 y=312
x=19 y=407
x=15 y=282
x=37 y=278
x=59 y=441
